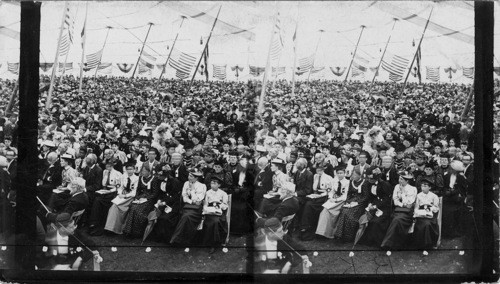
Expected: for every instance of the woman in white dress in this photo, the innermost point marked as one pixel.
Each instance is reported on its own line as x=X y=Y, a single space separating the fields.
x=126 y=192
x=328 y=217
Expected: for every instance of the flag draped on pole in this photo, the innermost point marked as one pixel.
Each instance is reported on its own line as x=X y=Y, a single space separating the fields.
x=219 y=72
x=395 y=77
x=338 y=71
x=468 y=72
x=432 y=73
x=64 y=45
x=181 y=75
x=147 y=60
x=93 y=60
x=181 y=62
x=277 y=45
x=359 y=66
x=396 y=65
x=125 y=67
x=418 y=58
x=13 y=68
x=144 y=70
x=69 y=24
x=205 y=60
x=256 y=71
x=305 y=64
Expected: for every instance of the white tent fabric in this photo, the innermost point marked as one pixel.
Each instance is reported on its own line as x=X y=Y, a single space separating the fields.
x=242 y=37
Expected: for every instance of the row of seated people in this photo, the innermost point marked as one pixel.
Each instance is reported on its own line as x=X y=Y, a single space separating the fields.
x=386 y=216
x=127 y=202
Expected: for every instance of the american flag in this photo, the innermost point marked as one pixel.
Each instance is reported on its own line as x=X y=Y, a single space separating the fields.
x=181 y=75
x=432 y=73
x=144 y=70
x=64 y=45
x=65 y=66
x=395 y=77
x=360 y=63
x=13 y=68
x=277 y=45
x=147 y=60
x=219 y=72
x=69 y=24
x=279 y=70
x=104 y=65
x=305 y=64
x=468 y=72
x=93 y=60
x=181 y=62
x=256 y=71
x=394 y=64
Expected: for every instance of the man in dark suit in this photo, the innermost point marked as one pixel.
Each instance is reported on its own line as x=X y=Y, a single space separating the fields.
x=469 y=177
x=263 y=180
x=152 y=162
x=76 y=200
x=12 y=160
x=51 y=179
x=289 y=205
x=303 y=180
x=454 y=193
x=389 y=172
x=177 y=169
x=93 y=180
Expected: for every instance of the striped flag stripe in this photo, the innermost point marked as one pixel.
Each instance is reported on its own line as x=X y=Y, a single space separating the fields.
x=468 y=72
x=104 y=65
x=219 y=72
x=318 y=69
x=13 y=68
x=64 y=45
x=67 y=66
x=394 y=77
x=181 y=61
x=181 y=75
x=278 y=70
x=69 y=24
x=432 y=73
x=94 y=59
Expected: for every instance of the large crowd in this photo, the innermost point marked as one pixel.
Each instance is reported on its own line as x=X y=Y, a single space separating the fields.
x=337 y=160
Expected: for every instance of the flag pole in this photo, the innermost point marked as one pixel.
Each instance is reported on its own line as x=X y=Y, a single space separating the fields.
x=64 y=68
x=102 y=51
x=355 y=49
x=267 y=69
x=56 y=60
x=170 y=53
x=415 y=56
x=295 y=50
x=206 y=45
x=142 y=49
x=383 y=54
x=83 y=48
x=315 y=51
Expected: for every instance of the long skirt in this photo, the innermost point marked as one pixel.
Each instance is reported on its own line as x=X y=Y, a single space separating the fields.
x=348 y=223
x=117 y=215
x=165 y=226
x=137 y=219
x=425 y=233
x=214 y=230
x=310 y=215
x=186 y=229
x=397 y=234
x=241 y=215
x=375 y=231
x=451 y=218
x=327 y=221
x=100 y=209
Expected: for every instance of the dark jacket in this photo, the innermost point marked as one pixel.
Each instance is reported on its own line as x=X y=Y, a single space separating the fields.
x=75 y=203
x=303 y=183
x=93 y=178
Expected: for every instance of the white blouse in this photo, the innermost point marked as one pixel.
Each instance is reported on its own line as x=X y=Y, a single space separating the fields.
x=404 y=196
x=216 y=196
x=193 y=192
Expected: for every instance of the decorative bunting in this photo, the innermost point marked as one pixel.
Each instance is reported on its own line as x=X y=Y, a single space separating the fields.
x=65 y=66
x=338 y=71
x=278 y=71
x=305 y=64
x=125 y=67
x=317 y=69
x=450 y=70
x=46 y=66
x=256 y=71
x=237 y=69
